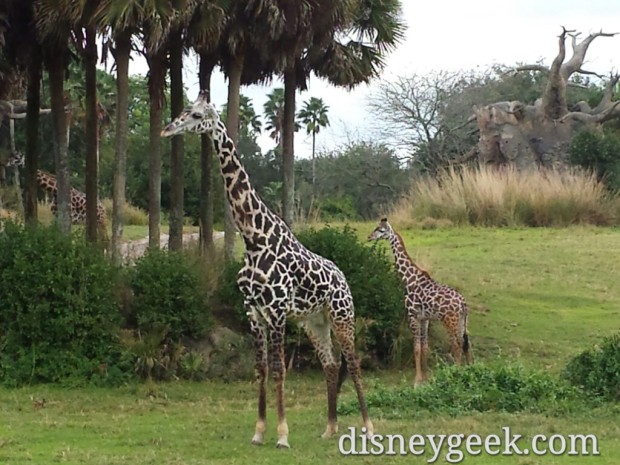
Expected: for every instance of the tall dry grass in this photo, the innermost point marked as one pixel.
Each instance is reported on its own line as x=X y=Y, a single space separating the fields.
x=132 y=215
x=508 y=197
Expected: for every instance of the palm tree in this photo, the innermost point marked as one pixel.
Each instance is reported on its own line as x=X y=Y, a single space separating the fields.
x=204 y=34
x=314 y=116
x=54 y=27
x=123 y=17
x=177 y=36
x=22 y=49
x=274 y=115
x=249 y=122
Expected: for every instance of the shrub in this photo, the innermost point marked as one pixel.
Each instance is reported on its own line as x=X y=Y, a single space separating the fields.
x=132 y=215
x=58 y=315
x=597 y=370
x=456 y=390
x=599 y=152
x=167 y=295
x=507 y=197
x=377 y=290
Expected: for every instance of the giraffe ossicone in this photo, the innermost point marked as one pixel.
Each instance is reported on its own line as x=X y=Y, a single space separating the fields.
x=425 y=300
x=280 y=279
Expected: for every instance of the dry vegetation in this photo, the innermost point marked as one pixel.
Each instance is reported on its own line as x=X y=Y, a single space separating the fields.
x=507 y=197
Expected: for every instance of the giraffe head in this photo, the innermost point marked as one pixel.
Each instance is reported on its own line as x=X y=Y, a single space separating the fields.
x=382 y=231
x=200 y=117
x=16 y=159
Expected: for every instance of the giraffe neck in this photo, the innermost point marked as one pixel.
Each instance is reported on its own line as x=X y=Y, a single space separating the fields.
x=252 y=217
x=409 y=272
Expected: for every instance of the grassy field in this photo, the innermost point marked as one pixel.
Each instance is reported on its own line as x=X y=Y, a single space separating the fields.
x=538 y=296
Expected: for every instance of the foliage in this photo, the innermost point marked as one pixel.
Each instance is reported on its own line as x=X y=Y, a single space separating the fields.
x=599 y=152
x=457 y=390
x=427 y=115
x=369 y=175
x=507 y=197
x=376 y=288
x=167 y=295
x=58 y=315
x=597 y=370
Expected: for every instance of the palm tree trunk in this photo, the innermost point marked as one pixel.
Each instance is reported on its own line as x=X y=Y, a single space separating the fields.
x=121 y=57
x=207 y=246
x=32 y=136
x=313 y=167
x=92 y=132
x=56 y=70
x=157 y=79
x=232 y=126
x=288 y=154
x=175 y=241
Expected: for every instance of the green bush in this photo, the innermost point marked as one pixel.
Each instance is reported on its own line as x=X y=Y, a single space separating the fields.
x=167 y=295
x=599 y=152
x=58 y=315
x=457 y=390
x=377 y=290
x=597 y=370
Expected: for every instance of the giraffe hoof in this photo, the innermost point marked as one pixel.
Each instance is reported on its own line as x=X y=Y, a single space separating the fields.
x=257 y=440
x=283 y=444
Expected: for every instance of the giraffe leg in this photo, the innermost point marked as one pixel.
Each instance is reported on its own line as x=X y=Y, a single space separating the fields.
x=343 y=325
x=318 y=329
x=424 y=352
x=259 y=333
x=456 y=339
x=469 y=356
x=277 y=327
x=415 y=327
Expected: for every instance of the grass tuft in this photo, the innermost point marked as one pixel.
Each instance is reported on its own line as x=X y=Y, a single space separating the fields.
x=508 y=197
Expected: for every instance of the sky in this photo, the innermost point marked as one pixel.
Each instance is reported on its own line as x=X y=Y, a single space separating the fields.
x=442 y=35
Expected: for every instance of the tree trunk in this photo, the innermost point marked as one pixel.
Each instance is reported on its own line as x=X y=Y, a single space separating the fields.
x=32 y=136
x=56 y=69
x=92 y=132
x=175 y=240
x=121 y=57
x=157 y=76
x=313 y=166
x=207 y=245
x=232 y=126
x=288 y=153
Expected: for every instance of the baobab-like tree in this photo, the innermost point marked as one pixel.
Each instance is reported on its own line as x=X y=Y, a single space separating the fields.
x=520 y=134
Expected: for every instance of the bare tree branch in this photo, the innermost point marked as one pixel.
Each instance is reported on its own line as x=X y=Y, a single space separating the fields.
x=609 y=113
x=579 y=53
x=608 y=93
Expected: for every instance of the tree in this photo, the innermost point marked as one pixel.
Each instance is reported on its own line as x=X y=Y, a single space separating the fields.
x=204 y=34
x=53 y=26
x=274 y=115
x=314 y=116
x=526 y=134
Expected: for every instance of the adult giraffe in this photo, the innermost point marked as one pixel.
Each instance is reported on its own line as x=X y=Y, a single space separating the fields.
x=280 y=279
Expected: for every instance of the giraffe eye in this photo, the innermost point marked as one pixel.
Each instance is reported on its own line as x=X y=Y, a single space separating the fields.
x=197 y=115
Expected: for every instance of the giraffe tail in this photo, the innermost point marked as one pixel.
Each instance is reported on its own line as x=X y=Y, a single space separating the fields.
x=342 y=372
x=466 y=346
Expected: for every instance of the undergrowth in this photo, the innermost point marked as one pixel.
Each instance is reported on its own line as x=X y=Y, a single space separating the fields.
x=458 y=390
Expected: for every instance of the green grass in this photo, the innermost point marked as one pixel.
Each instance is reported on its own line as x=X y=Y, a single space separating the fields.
x=537 y=297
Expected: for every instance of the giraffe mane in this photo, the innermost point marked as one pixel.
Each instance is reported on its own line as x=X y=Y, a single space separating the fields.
x=402 y=244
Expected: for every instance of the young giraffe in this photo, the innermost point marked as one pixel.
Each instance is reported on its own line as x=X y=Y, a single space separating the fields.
x=426 y=300
x=78 y=199
x=280 y=279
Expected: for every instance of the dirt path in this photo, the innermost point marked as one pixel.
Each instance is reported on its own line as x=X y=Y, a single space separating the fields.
x=132 y=250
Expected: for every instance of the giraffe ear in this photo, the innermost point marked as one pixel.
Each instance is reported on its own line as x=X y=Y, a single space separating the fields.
x=384 y=220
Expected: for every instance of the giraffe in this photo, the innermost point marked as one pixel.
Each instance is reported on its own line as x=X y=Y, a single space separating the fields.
x=426 y=300
x=78 y=199
x=280 y=280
